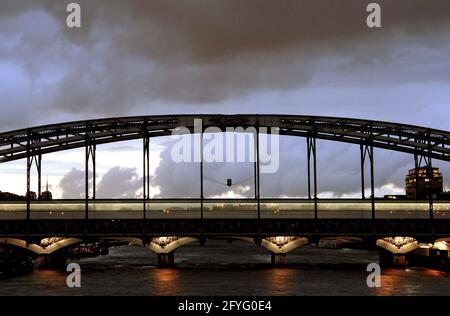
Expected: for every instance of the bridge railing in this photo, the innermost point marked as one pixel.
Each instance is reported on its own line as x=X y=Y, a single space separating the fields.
x=217 y=209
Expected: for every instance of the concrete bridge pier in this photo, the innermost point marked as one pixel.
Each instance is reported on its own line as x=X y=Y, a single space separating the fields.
x=393 y=250
x=165 y=260
x=399 y=261
x=391 y=260
x=279 y=246
x=278 y=259
x=58 y=261
x=165 y=246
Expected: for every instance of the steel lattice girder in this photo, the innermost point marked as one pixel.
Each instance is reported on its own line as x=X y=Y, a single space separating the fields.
x=411 y=139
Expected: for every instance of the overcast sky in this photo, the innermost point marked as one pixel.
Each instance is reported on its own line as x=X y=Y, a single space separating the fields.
x=222 y=56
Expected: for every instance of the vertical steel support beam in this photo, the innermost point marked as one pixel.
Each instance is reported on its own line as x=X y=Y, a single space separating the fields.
x=257 y=175
x=86 y=181
x=144 y=180
x=94 y=171
x=431 y=176
x=39 y=171
x=372 y=182
x=367 y=151
x=311 y=145
x=90 y=151
x=416 y=173
x=363 y=189
x=146 y=174
x=32 y=159
x=201 y=174
x=148 y=169
x=315 y=177
x=255 y=165
x=308 y=151
x=28 y=176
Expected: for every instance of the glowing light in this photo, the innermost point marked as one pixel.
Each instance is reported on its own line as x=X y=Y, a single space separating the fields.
x=163 y=241
x=399 y=241
x=50 y=241
x=441 y=245
x=280 y=241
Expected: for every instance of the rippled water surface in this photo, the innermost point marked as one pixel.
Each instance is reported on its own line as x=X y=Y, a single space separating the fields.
x=219 y=268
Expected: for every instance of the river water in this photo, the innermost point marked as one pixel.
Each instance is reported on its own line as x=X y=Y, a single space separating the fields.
x=239 y=268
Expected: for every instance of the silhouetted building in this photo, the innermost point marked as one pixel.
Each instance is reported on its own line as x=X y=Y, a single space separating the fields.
x=46 y=195
x=32 y=195
x=423 y=182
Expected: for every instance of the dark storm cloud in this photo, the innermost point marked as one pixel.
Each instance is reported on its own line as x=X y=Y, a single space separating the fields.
x=197 y=51
x=130 y=54
x=208 y=31
x=225 y=56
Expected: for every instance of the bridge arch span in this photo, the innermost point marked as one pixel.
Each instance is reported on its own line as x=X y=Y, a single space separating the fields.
x=61 y=244
x=398 y=245
x=399 y=137
x=442 y=243
x=22 y=244
x=38 y=249
x=283 y=244
x=445 y=239
x=168 y=244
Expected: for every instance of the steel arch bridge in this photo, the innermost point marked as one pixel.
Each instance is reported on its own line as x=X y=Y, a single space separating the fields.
x=40 y=140
x=31 y=143
x=424 y=144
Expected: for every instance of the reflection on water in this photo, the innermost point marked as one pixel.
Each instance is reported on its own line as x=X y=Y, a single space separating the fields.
x=48 y=274
x=239 y=268
x=166 y=281
x=435 y=273
x=278 y=280
x=414 y=281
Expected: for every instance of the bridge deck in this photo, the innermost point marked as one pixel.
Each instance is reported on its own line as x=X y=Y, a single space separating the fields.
x=224 y=209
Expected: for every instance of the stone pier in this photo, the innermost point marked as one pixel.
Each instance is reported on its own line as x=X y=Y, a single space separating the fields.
x=390 y=260
x=278 y=259
x=58 y=261
x=393 y=250
x=165 y=260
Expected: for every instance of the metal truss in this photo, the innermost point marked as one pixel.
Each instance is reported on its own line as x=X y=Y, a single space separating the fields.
x=31 y=143
x=58 y=137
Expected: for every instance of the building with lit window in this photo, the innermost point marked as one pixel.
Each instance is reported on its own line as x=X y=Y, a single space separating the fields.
x=422 y=182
